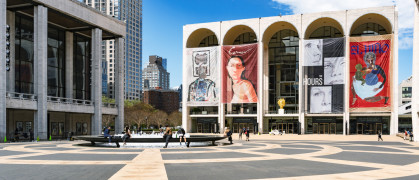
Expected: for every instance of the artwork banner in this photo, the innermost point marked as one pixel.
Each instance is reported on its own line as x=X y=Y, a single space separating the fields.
x=324 y=75
x=240 y=73
x=370 y=74
x=202 y=77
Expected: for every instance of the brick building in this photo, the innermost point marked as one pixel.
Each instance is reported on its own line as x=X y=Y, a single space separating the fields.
x=165 y=100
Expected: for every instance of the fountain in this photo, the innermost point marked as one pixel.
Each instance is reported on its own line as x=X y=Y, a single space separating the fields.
x=151 y=138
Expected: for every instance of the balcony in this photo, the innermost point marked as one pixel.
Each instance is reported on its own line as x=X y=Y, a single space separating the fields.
x=61 y=100
x=21 y=96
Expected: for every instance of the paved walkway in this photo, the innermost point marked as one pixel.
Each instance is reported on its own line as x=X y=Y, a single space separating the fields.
x=263 y=157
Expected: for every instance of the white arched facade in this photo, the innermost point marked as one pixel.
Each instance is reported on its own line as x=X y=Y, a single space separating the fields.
x=303 y=25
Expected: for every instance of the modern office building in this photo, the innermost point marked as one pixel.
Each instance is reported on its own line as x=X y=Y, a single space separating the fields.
x=155 y=75
x=337 y=73
x=129 y=11
x=415 y=73
x=52 y=85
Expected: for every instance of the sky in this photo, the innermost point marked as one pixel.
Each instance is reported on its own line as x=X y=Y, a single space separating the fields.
x=163 y=22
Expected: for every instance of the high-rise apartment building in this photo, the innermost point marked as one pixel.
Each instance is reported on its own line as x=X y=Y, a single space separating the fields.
x=155 y=75
x=129 y=11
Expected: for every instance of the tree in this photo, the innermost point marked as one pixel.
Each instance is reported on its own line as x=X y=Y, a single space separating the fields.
x=136 y=112
x=175 y=118
x=107 y=120
x=108 y=100
x=159 y=118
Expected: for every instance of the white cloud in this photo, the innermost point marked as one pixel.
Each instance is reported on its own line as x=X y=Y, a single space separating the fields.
x=405 y=8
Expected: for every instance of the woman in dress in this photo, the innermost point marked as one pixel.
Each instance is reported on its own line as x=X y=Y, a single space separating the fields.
x=243 y=89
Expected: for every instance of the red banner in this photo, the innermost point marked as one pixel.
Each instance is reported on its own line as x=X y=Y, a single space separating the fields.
x=239 y=74
x=370 y=79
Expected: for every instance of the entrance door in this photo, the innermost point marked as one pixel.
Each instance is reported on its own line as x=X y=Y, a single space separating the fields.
x=315 y=128
x=332 y=128
x=251 y=127
x=235 y=127
x=290 y=128
x=359 y=128
x=282 y=127
x=379 y=128
x=199 y=127
x=324 y=128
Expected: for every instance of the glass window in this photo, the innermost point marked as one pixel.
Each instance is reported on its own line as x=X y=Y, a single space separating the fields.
x=369 y=29
x=82 y=68
x=56 y=62
x=24 y=54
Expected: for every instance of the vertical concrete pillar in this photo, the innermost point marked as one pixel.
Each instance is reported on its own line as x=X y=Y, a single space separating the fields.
x=346 y=87
x=97 y=81
x=185 y=88
x=301 y=100
x=260 y=85
x=2 y=69
x=415 y=78
x=11 y=74
x=221 y=107
x=394 y=125
x=119 y=84
x=69 y=58
x=40 y=73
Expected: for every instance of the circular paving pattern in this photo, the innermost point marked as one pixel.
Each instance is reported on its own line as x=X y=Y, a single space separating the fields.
x=256 y=159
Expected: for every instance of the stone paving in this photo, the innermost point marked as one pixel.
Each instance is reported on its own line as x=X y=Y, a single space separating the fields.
x=264 y=157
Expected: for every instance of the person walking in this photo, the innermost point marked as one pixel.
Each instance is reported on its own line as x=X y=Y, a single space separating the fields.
x=411 y=136
x=106 y=133
x=127 y=135
x=167 y=135
x=228 y=133
x=181 y=133
x=247 y=132
x=405 y=134
x=240 y=134
x=379 y=136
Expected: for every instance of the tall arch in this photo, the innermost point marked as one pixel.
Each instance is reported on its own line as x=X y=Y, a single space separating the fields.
x=371 y=24
x=202 y=37
x=276 y=27
x=326 y=22
x=242 y=33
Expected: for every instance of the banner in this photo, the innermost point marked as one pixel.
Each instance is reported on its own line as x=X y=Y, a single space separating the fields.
x=202 y=76
x=240 y=73
x=324 y=75
x=370 y=78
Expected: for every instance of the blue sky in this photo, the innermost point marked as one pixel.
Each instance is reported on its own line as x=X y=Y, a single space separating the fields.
x=163 y=22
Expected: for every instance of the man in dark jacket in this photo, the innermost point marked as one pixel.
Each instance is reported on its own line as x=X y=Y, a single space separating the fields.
x=106 y=133
x=181 y=133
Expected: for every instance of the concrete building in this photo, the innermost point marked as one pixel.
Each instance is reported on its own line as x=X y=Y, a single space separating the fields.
x=54 y=83
x=165 y=100
x=131 y=13
x=280 y=59
x=155 y=75
x=415 y=74
x=405 y=91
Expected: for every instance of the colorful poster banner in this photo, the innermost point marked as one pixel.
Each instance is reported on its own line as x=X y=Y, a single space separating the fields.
x=370 y=68
x=202 y=76
x=324 y=75
x=240 y=73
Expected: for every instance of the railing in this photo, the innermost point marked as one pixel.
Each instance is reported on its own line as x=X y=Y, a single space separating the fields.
x=62 y=100
x=238 y=112
x=21 y=96
x=285 y=112
x=203 y=112
x=109 y=105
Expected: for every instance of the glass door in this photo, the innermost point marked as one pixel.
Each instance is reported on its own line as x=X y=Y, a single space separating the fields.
x=199 y=127
x=290 y=128
x=282 y=127
x=359 y=128
x=206 y=128
x=332 y=128
x=324 y=128
x=235 y=127
x=250 y=125
x=315 y=128
x=379 y=128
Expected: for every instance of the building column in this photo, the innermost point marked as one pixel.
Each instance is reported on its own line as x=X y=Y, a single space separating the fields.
x=119 y=84
x=11 y=74
x=346 y=113
x=260 y=87
x=3 y=8
x=40 y=73
x=415 y=75
x=221 y=106
x=97 y=80
x=301 y=94
x=69 y=53
x=394 y=121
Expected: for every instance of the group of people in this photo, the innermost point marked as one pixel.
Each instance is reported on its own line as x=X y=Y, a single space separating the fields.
x=408 y=134
x=229 y=133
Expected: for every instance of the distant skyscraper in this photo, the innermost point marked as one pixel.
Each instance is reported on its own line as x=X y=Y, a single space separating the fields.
x=164 y=63
x=154 y=75
x=129 y=11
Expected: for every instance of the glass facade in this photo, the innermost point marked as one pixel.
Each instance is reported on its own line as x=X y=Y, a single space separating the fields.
x=245 y=38
x=369 y=29
x=24 y=55
x=209 y=41
x=324 y=125
x=406 y=92
x=283 y=71
x=56 y=62
x=82 y=68
x=369 y=125
x=326 y=32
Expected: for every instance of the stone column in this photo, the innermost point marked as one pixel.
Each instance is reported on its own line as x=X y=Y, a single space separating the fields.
x=69 y=58
x=12 y=33
x=415 y=75
x=119 y=84
x=260 y=87
x=40 y=73
x=301 y=97
x=394 y=121
x=346 y=117
x=97 y=81
x=185 y=88
x=2 y=69
x=221 y=107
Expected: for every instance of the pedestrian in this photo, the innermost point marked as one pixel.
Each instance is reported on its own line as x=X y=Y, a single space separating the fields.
x=106 y=133
x=228 y=133
x=181 y=133
x=31 y=135
x=167 y=135
x=379 y=136
x=240 y=134
x=16 y=135
x=247 y=132
x=411 y=136
x=405 y=134
x=127 y=135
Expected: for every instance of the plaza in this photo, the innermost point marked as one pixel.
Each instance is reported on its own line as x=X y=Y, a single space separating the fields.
x=263 y=157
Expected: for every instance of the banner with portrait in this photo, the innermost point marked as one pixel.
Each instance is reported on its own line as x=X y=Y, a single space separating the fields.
x=324 y=75
x=202 y=79
x=370 y=74
x=239 y=73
